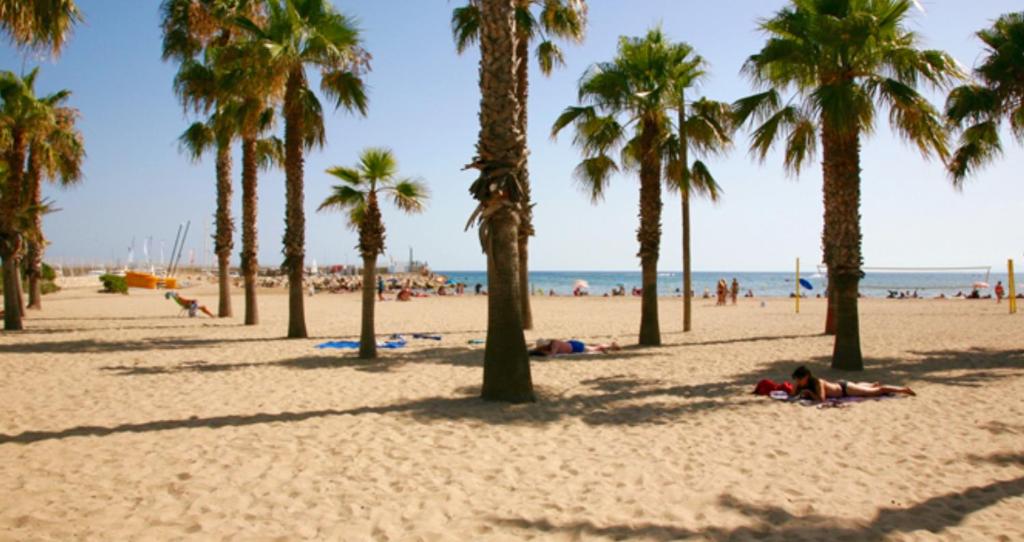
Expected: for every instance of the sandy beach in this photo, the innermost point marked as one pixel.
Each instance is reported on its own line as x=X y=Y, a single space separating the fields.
x=124 y=421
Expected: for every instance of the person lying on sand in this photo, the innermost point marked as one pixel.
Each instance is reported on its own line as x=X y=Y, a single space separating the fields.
x=549 y=347
x=818 y=389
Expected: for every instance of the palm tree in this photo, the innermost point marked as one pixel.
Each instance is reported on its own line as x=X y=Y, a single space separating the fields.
x=842 y=60
x=22 y=117
x=39 y=24
x=216 y=133
x=564 y=19
x=250 y=93
x=56 y=153
x=376 y=173
x=638 y=89
x=501 y=150
x=979 y=109
x=293 y=35
x=705 y=127
x=192 y=31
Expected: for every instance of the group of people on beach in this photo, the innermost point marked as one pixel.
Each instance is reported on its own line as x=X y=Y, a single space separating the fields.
x=726 y=292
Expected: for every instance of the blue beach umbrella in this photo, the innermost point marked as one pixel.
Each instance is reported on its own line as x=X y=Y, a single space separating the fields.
x=806 y=284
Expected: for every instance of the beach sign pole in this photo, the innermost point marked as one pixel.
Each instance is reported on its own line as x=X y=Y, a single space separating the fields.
x=1011 y=282
x=798 y=286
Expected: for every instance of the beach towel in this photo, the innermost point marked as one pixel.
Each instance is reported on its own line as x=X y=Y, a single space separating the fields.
x=426 y=336
x=391 y=345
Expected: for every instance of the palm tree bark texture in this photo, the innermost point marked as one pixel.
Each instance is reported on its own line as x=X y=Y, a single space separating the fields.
x=500 y=152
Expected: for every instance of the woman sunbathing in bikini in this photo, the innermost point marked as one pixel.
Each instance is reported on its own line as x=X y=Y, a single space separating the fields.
x=818 y=389
x=548 y=347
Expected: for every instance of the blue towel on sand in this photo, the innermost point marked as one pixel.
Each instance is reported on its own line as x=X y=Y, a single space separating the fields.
x=355 y=344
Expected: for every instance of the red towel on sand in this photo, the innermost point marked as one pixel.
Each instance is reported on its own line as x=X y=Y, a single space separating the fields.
x=767 y=386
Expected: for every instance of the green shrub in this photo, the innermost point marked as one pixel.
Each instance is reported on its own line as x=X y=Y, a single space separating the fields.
x=48 y=273
x=114 y=284
x=48 y=287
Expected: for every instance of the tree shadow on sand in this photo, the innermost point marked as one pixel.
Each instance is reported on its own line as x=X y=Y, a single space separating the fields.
x=618 y=400
x=970 y=368
x=93 y=346
x=386 y=362
x=934 y=515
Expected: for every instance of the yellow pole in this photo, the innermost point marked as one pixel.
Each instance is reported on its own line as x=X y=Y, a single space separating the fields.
x=798 y=285
x=1011 y=283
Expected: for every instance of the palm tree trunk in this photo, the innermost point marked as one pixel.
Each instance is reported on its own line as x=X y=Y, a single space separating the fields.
x=684 y=198
x=367 y=334
x=34 y=253
x=826 y=240
x=830 y=310
x=526 y=222
x=249 y=256
x=649 y=233
x=10 y=240
x=295 y=216
x=225 y=229
x=843 y=247
x=506 y=361
x=687 y=272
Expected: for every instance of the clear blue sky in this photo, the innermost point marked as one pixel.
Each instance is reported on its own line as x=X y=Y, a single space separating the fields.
x=424 y=103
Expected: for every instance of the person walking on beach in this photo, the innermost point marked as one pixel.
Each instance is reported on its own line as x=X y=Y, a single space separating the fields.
x=380 y=288
x=734 y=292
x=1000 y=292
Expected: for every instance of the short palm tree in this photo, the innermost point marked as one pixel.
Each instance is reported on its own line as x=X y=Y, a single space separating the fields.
x=294 y=35
x=842 y=60
x=358 y=195
x=55 y=154
x=23 y=116
x=703 y=127
x=501 y=151
x=541 y=21
x=39 y=24
x=637 y=90
x=978 y=109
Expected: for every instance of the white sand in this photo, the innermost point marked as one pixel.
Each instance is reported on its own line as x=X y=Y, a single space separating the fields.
x=121 y=421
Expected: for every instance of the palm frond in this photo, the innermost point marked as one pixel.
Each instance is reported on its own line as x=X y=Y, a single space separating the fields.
x=466 y=26
x=409 y=195
x=702 y=183
x=979 y=145
x=593 y=175
x=549 y=56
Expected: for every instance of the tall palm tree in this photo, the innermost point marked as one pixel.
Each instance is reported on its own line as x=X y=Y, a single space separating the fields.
x=56 y=154
x=293 y=35
x=250 y=93
x=978 y=109
x=39 y=24
x=636 y=89
x=376 y=174
x=563 y=19
x=192 y=31
x=22 y=116
x=703 y=127
x=216 y=133
x=501 y=150
x=841 y=61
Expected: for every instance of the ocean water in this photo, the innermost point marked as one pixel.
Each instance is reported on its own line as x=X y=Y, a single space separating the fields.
x=770 y=284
